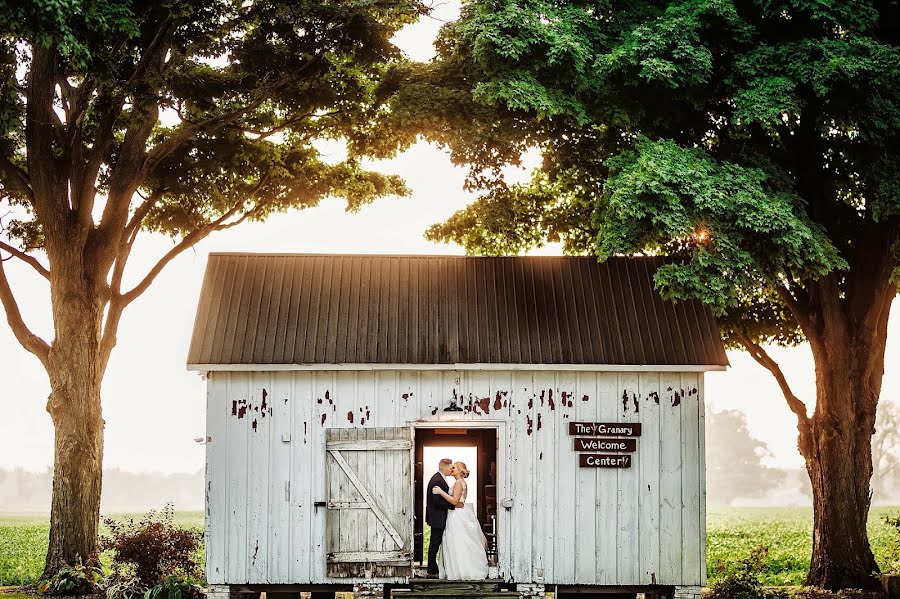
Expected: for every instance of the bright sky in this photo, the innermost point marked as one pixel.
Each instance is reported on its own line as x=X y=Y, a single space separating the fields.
x=431 y=456
x=154 y=408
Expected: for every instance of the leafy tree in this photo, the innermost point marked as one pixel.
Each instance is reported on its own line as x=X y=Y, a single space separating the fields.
x=734 y=460
x=176 y=117
x=753 y=141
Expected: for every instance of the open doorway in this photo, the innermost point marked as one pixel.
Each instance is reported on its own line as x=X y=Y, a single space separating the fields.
x=477 y=447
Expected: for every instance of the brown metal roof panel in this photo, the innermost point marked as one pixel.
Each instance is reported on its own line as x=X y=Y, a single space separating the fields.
x=437 y=310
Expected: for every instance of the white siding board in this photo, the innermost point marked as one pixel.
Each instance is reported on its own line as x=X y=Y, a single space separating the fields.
x=670 y=534
x=647 y=458
x=216 y=478
x=316 y=479
x=304 y=423
x=258 y=500
x=628 y=533
x=504 y=384
x=521 y=489
x=702 y=432
x=587 y=509
x=279 y=562
x=545 y=483
x=607 y=492
x=236 y=556
x=565 y=500
x=690 y=483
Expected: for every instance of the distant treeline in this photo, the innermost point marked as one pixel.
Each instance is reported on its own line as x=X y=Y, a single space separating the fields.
x=25 y=491
x=738 y=470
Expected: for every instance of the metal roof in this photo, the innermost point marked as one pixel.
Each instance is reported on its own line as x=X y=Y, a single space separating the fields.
x=268 y=309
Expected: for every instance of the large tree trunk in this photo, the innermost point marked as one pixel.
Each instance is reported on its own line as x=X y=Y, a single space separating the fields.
x=75 y=367
x=836 y=444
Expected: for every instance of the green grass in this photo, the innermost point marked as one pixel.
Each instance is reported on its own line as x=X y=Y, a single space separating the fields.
x=733 y=533
x=23 y=543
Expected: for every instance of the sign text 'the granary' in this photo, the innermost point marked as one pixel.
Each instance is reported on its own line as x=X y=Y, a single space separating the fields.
x=605 y=429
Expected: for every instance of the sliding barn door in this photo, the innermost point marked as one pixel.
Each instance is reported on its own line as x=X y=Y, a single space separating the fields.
x=369 y=491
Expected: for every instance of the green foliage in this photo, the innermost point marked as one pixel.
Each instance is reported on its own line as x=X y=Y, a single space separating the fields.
x=742 y=580
x=892 y=554
x=23 y=545
x=733 y=226
x=120 y=586
x=154 y=549
x=755 y=142
x=79 y=579
x=221 y=102
x=174 y=587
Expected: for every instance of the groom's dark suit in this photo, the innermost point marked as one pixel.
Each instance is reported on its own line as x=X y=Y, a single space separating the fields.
x=436 y=517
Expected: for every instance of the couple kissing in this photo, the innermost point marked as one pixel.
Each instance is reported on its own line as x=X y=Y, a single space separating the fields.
x=455 y=529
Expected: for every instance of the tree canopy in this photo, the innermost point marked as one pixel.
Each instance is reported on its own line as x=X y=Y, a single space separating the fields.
x=180 y=117
x=754 y=141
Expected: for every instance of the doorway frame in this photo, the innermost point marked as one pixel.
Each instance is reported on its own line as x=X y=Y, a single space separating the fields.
x=503 y=530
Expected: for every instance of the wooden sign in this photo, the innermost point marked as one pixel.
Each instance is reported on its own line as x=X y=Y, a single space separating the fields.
x=605 y=444
x=605 y=429
x=590 y=460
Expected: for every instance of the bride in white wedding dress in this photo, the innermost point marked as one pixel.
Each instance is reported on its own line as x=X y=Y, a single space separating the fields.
x=463 y=555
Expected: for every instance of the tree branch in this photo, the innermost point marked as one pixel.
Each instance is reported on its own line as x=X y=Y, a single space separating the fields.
x=193 y=238
x=42 y=165
x=140 y=212
x=264 y=133
x=26 y=338
x=763 y=358
x=28 y=259
x=84 y=186
x=189 y=130
x=798 y=312
x=16 y=176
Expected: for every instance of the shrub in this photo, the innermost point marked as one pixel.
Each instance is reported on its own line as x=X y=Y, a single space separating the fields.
x=173 y=587
x=892 y=553
x=743 y=580
x=153 y=548
x=79 y=579
x=124 y=586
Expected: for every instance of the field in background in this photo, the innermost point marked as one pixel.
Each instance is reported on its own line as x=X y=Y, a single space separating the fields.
x=732 y=534
x=23 y=543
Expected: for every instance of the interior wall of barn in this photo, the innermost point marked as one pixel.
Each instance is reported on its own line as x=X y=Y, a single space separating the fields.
x=568 y=525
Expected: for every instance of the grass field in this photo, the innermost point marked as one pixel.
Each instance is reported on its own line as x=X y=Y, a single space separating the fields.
x=732 y=534
x=23 y=543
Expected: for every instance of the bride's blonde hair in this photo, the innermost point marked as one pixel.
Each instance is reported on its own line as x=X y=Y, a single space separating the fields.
x=461 y=466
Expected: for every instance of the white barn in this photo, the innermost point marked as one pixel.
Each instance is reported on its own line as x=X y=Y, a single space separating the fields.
x=329 y=376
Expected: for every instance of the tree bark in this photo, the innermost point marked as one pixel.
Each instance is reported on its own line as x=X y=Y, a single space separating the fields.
x=837 y=447
x=75 y=367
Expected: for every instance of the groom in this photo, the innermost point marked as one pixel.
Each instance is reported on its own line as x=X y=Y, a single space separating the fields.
x=436 y=513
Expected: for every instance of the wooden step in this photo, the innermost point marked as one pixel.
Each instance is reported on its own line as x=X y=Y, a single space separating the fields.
x=427 y=585
x=404 y=594
x=430 y=587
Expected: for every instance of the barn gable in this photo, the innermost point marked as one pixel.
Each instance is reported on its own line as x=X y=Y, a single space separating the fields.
x=293 y=310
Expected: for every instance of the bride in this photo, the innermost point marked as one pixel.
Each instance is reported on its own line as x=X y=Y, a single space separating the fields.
x=463 y=554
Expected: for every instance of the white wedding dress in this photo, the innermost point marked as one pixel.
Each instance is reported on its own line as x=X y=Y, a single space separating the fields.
x=463 y=555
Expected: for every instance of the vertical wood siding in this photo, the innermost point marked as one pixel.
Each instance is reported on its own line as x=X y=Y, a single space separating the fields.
x=568 y=525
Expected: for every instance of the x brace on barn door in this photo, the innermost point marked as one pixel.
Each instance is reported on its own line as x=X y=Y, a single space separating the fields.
x=367 y=496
